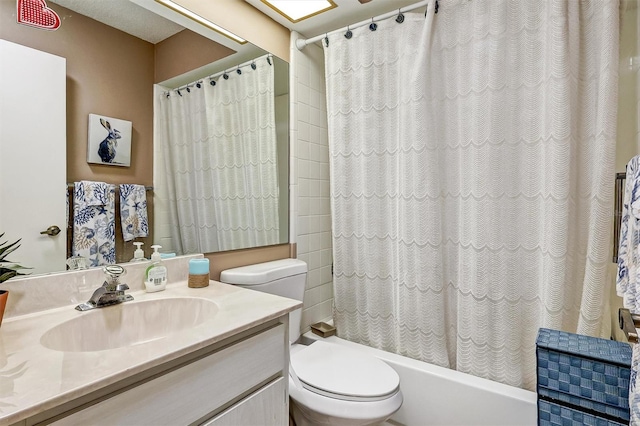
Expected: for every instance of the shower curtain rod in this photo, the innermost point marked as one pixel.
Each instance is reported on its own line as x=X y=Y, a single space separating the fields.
x=244 y=64
x=212 y=76
x=301 y=42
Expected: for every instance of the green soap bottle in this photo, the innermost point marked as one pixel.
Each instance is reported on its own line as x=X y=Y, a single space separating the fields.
x=155 y=277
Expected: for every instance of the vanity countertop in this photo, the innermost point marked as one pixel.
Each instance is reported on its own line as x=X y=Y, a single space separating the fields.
x=34 y=378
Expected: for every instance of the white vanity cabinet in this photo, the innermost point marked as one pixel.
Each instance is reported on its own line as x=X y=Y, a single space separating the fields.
x=241 y=381
x=260 y=408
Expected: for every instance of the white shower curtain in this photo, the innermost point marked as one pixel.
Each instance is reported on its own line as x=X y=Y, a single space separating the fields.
x=472 y=178
x=220 y=156
x=242 y=113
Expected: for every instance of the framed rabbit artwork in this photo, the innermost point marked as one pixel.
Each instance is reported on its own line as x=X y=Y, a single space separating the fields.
x=109 y=141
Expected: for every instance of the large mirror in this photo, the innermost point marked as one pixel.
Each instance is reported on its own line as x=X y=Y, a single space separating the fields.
x=123 y=60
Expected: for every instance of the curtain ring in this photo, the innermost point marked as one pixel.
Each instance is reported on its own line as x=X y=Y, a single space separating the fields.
x=198 y=85
x=269 y=59
x=225 y=76
x=373 y=26
x=212 y=82
x=239 y=71
x=437 y=6
x=400 y=17
x=326 y=40
x=179 y=92
x=188 y=90
x=253 y=65
x=348 y=34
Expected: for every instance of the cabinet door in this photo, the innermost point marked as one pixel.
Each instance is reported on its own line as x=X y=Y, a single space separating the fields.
x=266 y=407
x=193 y=392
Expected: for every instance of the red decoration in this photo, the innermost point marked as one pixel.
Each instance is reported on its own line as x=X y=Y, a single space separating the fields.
x=36 y=14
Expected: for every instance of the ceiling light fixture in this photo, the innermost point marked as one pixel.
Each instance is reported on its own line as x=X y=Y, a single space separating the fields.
x=297 y=10
x=199 y=19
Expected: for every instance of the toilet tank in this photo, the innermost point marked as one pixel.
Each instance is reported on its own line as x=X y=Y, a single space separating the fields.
x=285 y=277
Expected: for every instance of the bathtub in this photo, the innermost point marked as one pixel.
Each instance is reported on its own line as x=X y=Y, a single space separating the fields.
x=438 y=396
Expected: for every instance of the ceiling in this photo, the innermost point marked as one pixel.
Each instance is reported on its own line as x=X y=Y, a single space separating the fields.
x=348 y=12
x=125 y=16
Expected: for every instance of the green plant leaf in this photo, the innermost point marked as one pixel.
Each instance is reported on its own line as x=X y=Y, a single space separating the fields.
x=16 y=267
x=9 y=269
x=4 y=276
x=6 y=250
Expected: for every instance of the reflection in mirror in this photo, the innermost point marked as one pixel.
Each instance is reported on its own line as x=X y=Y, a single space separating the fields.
x=112 y=72
x=217 y=149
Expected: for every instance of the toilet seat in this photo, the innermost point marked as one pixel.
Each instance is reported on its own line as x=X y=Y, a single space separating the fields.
x=337 y=372
x=310 y=407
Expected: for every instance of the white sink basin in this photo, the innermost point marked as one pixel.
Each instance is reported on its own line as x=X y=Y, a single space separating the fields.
x=128 y=324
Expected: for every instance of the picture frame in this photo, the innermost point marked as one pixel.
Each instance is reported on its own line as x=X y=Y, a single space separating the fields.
x=109 y=141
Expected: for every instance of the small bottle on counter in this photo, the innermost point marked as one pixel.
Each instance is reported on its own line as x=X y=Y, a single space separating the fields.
x=155 y=277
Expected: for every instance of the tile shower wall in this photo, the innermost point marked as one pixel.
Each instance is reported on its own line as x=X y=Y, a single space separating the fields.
x=310 y=210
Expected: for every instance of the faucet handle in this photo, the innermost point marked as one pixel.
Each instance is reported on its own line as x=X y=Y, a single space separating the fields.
x=114 y=271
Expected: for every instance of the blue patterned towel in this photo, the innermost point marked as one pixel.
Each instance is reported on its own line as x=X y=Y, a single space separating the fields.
x=94 y=225
x=628 y=279
x=133 y=211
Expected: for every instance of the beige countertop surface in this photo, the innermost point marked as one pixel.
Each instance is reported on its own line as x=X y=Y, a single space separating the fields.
x=34 y=378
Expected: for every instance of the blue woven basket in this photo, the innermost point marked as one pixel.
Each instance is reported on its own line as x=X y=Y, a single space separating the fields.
x=550 y=414
x=584 y=372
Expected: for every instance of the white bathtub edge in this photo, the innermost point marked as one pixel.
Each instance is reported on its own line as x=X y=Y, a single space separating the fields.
x=488 y=402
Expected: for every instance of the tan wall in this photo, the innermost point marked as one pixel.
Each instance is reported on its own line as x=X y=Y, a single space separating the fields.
x=245 y=21
x=628 y=132
x=233 y=259
x=184 y=52
x=108 y=73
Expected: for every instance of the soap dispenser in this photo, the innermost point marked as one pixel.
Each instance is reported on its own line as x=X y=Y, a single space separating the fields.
x=155 y=278
x=138 y=255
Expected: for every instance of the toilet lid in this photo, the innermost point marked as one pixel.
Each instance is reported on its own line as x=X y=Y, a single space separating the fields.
x=342 y=373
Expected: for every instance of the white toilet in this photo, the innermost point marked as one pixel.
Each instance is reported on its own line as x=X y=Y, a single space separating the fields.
x=328 y=383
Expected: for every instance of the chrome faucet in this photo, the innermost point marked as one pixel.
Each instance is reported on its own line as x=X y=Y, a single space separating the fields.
x=110 y=293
